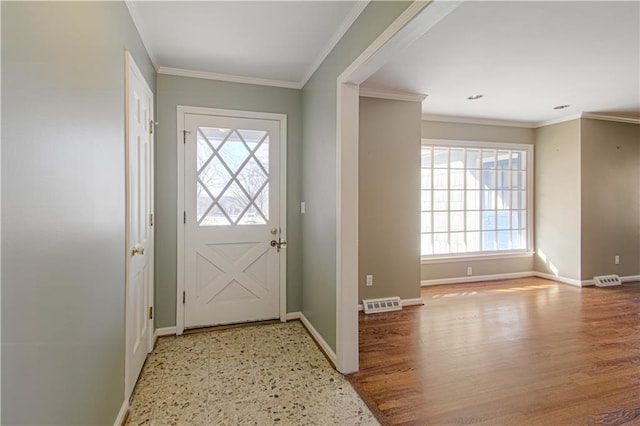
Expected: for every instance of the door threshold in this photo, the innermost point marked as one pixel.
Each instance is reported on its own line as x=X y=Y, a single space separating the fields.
x=228 y=326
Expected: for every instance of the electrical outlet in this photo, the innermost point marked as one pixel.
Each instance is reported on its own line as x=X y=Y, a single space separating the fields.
x=303 y=207
x=369 y=281
x=616 y=260
x=469 y=270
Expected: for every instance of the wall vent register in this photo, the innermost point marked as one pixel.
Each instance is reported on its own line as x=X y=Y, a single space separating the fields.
x=607 y=280
x=381 y=305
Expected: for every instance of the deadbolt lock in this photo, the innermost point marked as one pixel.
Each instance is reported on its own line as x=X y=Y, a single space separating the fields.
x=279 y=244
x=274 y=231
x=137 y=249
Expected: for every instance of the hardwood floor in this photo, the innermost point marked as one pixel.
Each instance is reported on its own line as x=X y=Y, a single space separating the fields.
x=517 y=352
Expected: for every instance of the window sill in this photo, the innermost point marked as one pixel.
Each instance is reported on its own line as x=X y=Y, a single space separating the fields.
x=474 y=257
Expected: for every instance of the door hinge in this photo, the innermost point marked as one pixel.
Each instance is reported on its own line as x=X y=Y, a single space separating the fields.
x=150 y=219
x=184 y=136
x=184 y=217
x=150 y=127
x=150 y=312
x=184 y=297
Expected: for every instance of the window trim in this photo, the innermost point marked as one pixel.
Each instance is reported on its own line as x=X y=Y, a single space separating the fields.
x=493 y=254
x=473 y=256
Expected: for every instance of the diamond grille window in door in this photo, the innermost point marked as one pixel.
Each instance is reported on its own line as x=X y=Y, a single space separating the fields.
x=233 y=177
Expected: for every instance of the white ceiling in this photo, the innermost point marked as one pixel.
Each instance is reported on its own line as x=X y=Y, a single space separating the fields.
x=280 y=41
x=526 y=58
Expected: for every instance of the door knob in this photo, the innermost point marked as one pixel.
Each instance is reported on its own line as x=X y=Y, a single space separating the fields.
x=137 y=249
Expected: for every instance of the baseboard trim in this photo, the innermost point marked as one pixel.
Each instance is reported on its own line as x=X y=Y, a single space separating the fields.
x=164 y=331
x=565 y=280
x=412 y=302
x=475 y=278
x=317 y=337
x=627 y=279
x=293 y=316
x=122 y=414
x=495 y=277
x=161 y=332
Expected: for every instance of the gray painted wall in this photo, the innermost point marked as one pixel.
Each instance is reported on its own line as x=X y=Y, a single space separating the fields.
x=174 y=91
x=476 y=132
x=557 y=199
x=610 y=164
x=319 y=166
x=446 y=270
x=63 y=209
x=483 y=133
x=389 y=214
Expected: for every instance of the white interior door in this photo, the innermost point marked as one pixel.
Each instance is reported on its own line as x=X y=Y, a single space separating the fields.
x=139 y=283
x=232 y=229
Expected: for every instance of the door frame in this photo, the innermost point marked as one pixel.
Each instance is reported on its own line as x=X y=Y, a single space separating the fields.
x=182 y=110
x=131 y=68
x=417 y=19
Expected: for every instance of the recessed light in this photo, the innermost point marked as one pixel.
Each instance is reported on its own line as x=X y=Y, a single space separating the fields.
x=561 y=106
x=474 y=97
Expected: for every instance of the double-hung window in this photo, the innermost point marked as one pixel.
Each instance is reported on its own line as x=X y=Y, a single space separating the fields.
x=476 y=199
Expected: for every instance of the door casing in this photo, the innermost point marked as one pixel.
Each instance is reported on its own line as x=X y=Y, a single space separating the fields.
x=180 y=158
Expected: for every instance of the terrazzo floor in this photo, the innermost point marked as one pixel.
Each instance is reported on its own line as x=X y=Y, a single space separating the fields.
x=255 y=375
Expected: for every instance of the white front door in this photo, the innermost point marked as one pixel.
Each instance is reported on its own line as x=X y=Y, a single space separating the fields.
x=139 y=239
x=232 y=224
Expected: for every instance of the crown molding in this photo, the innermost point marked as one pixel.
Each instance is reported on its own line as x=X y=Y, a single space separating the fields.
x=355 y=12
x=230 y=78
x=142 y=31
x=367 y=92
x=335 y=39
x=528 y=125
x=480 y=121
x=618 y=118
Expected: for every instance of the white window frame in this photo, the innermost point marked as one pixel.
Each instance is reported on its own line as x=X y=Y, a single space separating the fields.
x=529 y=188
